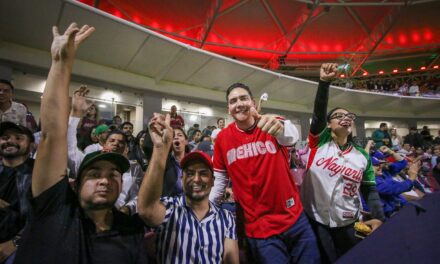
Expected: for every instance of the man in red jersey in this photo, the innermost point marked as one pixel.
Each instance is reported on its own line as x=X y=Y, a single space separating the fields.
x=252 y=151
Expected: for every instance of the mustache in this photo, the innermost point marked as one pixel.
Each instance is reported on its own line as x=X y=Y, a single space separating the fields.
x=7 y=145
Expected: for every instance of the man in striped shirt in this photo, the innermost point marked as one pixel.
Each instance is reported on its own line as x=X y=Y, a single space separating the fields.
x=190 y=229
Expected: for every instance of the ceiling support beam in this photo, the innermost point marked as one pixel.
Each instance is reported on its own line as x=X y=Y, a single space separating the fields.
x=375 y=38
x=274 y=17
x=435 y=60
x=357 y=19
x=232 y=8
x=301 y=28
x=273 y=61
x=369 y=3
x=212 y=16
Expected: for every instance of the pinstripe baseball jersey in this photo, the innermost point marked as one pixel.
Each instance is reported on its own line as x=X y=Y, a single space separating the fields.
x=182 y=238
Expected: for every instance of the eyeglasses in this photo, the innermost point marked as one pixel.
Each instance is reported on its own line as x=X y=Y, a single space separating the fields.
x=341 y=116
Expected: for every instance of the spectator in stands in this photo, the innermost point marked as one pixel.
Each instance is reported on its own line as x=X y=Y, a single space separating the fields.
x=381 y=136
x=426 y=134
x=139 y=149
x=116 y=123
x=206 y=147
x=176 y=119
x=30 y=120
x=390 y=190
x=196 y=137
x=403 y=90
x=191 y=130
x=101 y=133
x=276 y=228
x=405 y=150
x=414 y=89
x=435 y=155
x=176 y=218
x=16 y=143
x=127 y=129
x=9 y=109
x=115 y=142
x=437 y=139
x=85 y=126
x=179 y=149
x=93 y=136
x=221 y=125
x=436 y=170
x=396 y=140
x=207 y=131
x=414 y=138
x=337 y=170
x=66 y=227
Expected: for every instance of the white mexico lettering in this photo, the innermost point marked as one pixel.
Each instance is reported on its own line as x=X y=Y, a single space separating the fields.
x=252 y=149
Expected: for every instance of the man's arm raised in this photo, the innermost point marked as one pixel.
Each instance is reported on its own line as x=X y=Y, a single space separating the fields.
x=51 y=162
x=150 y=208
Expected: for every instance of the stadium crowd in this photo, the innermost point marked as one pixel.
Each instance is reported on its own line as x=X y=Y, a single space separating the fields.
x=83 y=190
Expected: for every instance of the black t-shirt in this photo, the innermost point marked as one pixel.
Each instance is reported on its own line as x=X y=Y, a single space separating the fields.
x=14 y=184
x=59 y=232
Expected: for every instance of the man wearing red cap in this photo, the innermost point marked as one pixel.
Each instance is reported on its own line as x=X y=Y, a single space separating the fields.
x=190 y=229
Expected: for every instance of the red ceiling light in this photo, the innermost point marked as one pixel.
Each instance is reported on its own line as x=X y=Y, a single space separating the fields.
x=435 y=67
x=342 y=75
x=381 y=72
x=395 y=70
x=364 y=73
x=423 y=68
x=409 y=69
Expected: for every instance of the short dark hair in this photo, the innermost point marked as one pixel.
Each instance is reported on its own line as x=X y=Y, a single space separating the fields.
x=238 y=85
x=126 y=123
x=221 y=118
x=383 y=125
x=117 y=132
x=195 y=132
x=7 y=82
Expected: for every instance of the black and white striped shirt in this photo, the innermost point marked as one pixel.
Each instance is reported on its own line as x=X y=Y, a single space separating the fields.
x=182 y=238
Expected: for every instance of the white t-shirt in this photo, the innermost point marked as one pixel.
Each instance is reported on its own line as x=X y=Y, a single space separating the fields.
x=215 y=133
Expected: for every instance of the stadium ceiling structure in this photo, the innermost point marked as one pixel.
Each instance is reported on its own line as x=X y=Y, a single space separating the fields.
x=295 y=37
x=127 y=58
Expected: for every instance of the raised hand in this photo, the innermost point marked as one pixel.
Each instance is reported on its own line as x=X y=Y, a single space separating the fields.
x=328 y=72
x=64 y=46
x=384 y=149
x=414 y=169
x=80 y=104
x=160 y=131
x=268 y=123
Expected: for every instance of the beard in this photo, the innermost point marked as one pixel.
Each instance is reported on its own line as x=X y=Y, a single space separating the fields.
x=196 y=197
x=19 y=152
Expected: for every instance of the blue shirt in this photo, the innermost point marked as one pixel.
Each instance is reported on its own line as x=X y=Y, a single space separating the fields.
x=182 y=238
x=390 y=190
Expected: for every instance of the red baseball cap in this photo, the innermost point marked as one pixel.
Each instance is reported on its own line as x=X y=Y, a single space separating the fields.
x=199 y=156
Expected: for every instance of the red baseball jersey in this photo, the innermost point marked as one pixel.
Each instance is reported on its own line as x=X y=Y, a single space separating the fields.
x=259 y=169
